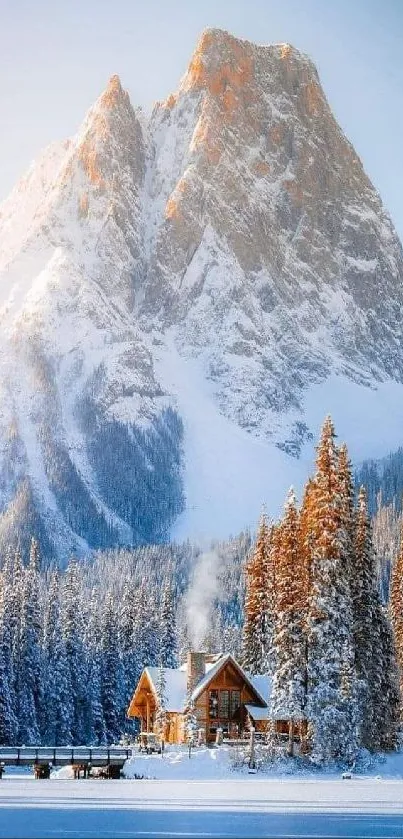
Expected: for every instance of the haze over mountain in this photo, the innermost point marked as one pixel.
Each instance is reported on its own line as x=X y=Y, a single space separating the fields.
x=183 y=299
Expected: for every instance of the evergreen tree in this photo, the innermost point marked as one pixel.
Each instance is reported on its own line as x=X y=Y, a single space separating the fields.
x=289 y=682
x=387 y=703
x=347 y=512
x=306 y=529
x=73 y=632
x=258 y=609
x=190 y=721
x=95 y=726
x=29 y=682
x=130 y=644
x=168 y=637
x=8 y=722
x=112 y=675
x=350 y=705
x=14 y=600
x=329 y=623
x=396 y=609
x=161 y=716
x=57 y=716
x=366 y=623
x=147 y=629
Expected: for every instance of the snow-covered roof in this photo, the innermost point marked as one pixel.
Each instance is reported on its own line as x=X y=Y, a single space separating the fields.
x=257 y=713
x=209 y=675
x=176 y=682
x=175 y=687
x=285 y=713
x=262 y=685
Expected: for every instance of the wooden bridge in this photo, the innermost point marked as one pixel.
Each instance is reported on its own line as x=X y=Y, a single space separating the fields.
x=112 y=758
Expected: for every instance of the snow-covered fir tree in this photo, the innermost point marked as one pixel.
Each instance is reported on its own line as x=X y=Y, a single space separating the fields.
x=366 y=624
x=329 y=619
x=290 y=674
x=396 y=610
x=258 y=609
x=57 y=711
x=112 y=674
x=387 y=703
x=387 y=525
x=73 y=632
x=95 y=728
x=8 y=722
x=130 y=642
x=29 y=687
x=161 y=714
x=147 y=627
x=190 y=721
x=168 y=637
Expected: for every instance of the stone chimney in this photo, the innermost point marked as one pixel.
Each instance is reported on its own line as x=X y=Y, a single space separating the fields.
x=196 y=669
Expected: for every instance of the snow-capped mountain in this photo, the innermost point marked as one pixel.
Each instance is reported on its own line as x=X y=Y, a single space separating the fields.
x=184 y=298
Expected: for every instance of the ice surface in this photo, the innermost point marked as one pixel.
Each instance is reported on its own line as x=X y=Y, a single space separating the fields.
x=239 y=806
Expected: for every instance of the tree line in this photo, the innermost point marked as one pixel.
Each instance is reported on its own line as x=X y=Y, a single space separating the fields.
x=314 y=618
x=73 y=643
x=70 y=656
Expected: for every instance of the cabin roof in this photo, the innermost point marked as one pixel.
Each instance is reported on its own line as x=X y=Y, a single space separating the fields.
x=219 y=664
x=257 y=713
x=262 y=686
x=175 y=687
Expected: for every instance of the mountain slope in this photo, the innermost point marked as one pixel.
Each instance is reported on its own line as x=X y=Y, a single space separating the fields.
x=183 y=299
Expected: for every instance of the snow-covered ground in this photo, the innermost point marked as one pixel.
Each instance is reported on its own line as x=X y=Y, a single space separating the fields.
x=204 y=797
x=210 y=764
x=230 y=472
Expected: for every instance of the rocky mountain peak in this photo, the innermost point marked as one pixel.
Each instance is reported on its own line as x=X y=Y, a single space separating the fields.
x=198 y=274
x=220 y=62
x=113 y=95
x=223 y=64
x=110 y=130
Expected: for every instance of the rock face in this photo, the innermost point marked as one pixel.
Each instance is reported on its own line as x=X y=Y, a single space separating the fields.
x=219 y=260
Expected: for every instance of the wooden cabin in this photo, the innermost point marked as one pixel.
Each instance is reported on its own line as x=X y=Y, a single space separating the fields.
x=222 y=694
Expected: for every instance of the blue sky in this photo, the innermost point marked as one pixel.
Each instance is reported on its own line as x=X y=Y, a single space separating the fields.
x=56 y=57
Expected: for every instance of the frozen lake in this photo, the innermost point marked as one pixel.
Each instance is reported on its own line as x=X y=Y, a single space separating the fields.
x=240 y=807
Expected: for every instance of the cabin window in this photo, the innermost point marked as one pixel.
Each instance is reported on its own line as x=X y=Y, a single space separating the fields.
x=213 y=704
x=224 y=704
x=235 y=702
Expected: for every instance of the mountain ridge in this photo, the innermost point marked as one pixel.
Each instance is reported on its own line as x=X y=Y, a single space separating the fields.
x=230 y=248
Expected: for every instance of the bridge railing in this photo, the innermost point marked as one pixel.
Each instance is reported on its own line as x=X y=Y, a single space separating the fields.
x=64 y=755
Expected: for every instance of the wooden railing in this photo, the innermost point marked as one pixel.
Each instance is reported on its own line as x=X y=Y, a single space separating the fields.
x=64 y=755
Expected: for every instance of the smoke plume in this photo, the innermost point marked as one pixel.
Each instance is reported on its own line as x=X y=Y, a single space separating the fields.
x=203 y=590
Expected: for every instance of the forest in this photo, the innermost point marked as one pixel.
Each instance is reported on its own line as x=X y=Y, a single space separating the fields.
x=306 y=600
x=73 y=643
x=314 y=618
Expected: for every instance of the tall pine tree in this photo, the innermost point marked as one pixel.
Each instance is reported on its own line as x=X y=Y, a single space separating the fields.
x=329 y=622
x=57 y=714
x=396 y=610
x=258 y=609
x=73 y=633
x=289 y=682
